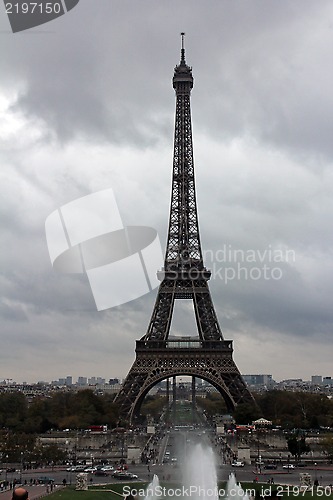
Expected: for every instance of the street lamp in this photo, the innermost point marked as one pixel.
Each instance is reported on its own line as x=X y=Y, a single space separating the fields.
x=258 y=452
x=6 y=457
x=122 y=448
x=21 y=467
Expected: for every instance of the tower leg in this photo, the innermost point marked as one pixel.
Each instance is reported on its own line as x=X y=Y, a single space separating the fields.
x=168 y=392
x=174 y=389
x=193 y=395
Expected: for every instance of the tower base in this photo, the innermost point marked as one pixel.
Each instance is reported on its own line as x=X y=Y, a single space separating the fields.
x=210 y=361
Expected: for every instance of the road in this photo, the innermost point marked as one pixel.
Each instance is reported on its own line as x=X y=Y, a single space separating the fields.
x=173 y=472
x=176 y=449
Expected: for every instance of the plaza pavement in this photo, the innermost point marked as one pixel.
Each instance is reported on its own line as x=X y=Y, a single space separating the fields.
x=37 y=491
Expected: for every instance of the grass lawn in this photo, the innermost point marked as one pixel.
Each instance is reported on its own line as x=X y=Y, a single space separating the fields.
x=115 y=492
x=105 y=492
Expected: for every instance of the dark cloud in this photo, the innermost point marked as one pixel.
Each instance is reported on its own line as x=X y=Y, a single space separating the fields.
x=88 y=103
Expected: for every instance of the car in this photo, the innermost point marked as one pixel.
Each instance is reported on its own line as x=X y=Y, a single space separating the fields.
x=237 y=464
x=107 y=468
x=288 y=466
x=90 y=469
x=270 y=466
x=130 y=475
x=100 y=472
x=45 y=480
x=124 y=475
x=76 y=468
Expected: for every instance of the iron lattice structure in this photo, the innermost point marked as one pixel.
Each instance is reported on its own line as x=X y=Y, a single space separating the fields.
x=206 y=355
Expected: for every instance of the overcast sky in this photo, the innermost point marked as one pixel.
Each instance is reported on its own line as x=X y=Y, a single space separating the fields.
x=86 y=103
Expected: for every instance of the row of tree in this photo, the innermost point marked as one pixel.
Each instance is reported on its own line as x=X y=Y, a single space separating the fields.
x=19 y=447
x=84 y=408
x=63 y=410
x=289 y=410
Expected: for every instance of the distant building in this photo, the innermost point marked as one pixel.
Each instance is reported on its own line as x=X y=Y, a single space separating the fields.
x=262 y=379
x=114 y=381
x=328 y=381
x=69 y=380
x=316 y=380
x=292 y=382
x=82 y=381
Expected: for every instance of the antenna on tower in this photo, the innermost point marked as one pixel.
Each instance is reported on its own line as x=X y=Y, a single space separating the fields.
x=182 y=58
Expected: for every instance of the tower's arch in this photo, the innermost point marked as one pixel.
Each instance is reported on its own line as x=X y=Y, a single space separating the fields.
x=136 y=407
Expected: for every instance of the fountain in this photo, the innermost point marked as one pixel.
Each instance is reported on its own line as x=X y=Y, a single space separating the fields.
x=199 y=474
x=234 y=490
x=200 y=477
x=199 y=480
x=153 y=489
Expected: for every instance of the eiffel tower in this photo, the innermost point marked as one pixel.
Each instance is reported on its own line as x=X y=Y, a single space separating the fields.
x=206 y=355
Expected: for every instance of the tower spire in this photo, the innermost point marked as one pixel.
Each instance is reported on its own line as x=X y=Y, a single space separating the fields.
x=182 y=52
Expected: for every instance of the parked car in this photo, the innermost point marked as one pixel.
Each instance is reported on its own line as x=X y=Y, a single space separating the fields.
x=237 y=464
x=288 y=466
x=270 y=466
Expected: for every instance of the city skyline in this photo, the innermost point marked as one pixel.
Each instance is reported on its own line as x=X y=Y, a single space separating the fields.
x=83 y=380
x=92 y=107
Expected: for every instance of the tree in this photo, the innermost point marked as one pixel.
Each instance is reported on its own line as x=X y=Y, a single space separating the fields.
x=246 y=413
x=327 y=445
x=13 y=410
x=212 y=404
x=296 y=409
x=153 y=406
x=297 y=446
